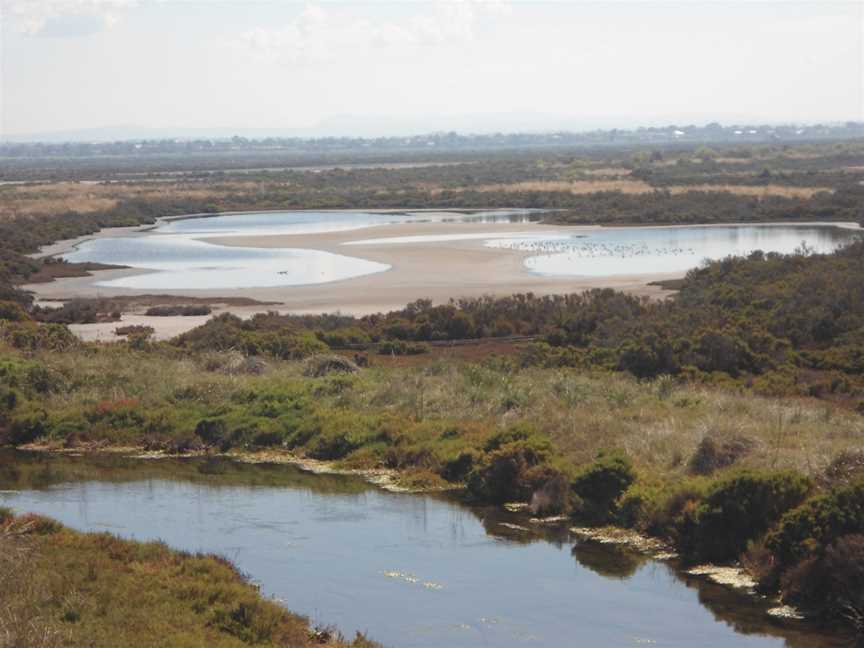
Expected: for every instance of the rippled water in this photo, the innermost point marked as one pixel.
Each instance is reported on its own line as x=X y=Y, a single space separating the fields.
x=412 y=571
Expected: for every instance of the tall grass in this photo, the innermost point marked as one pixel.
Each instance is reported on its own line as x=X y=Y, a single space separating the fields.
x=658 y=424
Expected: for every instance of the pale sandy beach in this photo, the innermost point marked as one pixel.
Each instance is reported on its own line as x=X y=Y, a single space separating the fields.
x=438 y=270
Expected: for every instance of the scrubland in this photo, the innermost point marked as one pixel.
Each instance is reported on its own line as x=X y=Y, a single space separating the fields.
x=726 y=421
x=59 y=587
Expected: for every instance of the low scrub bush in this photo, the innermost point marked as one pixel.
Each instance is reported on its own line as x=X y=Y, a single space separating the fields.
x=401 y=348
x=79 y=311
x=349 y=337
x=518 y=432
x=322 y=365
x=28 y=336
x=510 y=472
x=713 y=454
x=213 y=432
x=24 y=426
x=13 y=312
x=334 y=435
x=737 y=509
x=830 y=586
x=599 y=485
x=807 y=530
x=458 y=467
x=552 y=495
x=135 y=329
x=182 y=310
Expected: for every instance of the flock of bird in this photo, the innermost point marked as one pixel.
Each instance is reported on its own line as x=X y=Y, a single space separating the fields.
x=588 y=249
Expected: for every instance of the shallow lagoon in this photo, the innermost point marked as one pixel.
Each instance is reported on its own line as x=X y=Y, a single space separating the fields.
x=183 y=263
x=177 y=255
x=629 y=251
x=412 y=571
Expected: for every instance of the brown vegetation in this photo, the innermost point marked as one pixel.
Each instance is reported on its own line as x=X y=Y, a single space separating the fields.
x=63 y=588
x=583 y=187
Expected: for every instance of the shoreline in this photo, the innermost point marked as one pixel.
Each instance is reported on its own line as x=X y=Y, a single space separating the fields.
x=436 y=270
x=730 y=576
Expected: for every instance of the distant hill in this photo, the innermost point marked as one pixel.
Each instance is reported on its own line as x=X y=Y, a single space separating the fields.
x=377 y=127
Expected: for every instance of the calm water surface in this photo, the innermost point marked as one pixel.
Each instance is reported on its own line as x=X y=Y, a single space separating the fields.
x=625 y=251
x=638 y=250
x=412 y=571
x=176 y=254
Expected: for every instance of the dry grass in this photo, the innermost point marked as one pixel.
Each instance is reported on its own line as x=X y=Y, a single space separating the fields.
x=23 y=622
x=576 y=187
x=733 y=160
x=63 y=588
x=760 y=191
x=605 y=172
x=584 y=413
x=658 y=425
x=582 y=187
x=59 y=197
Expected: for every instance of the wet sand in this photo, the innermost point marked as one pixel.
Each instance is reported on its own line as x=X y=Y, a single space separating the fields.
x=438 y=271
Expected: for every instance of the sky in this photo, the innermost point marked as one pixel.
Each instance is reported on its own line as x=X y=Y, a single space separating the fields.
x=382 y=67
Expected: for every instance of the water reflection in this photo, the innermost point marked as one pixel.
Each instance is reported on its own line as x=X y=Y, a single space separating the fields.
x=412 y=571
x=625 y=251
x=610 y=562
x=176 y=255
x=179 y=263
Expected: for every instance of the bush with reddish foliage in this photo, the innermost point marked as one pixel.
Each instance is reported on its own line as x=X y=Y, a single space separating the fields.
x=830 y=586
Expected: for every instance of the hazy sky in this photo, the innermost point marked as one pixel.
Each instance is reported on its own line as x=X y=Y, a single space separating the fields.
x=71 y=64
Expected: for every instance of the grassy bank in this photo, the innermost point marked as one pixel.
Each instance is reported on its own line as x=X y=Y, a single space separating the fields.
x=724 y=475
x=59 y=587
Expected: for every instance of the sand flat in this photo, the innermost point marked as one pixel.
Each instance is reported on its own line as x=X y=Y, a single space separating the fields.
x=436 y=270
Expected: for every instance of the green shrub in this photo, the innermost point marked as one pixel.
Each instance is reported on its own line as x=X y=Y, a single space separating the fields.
x=29 y=336
x=335 y=445
x=457 y=468
x=400 y=348
x=25 y=427
x=505 y=474
x=184 y=310
x=325 y=364
x=640 y=506
x=13 y=312
x=284 y=344
x=807 y=530
x=666 y=511
x=737 y=509
x=32 y=377
x=344 y=337
x=9 y=400
x=600 y=484
x=520 y=431
x=334 y=435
